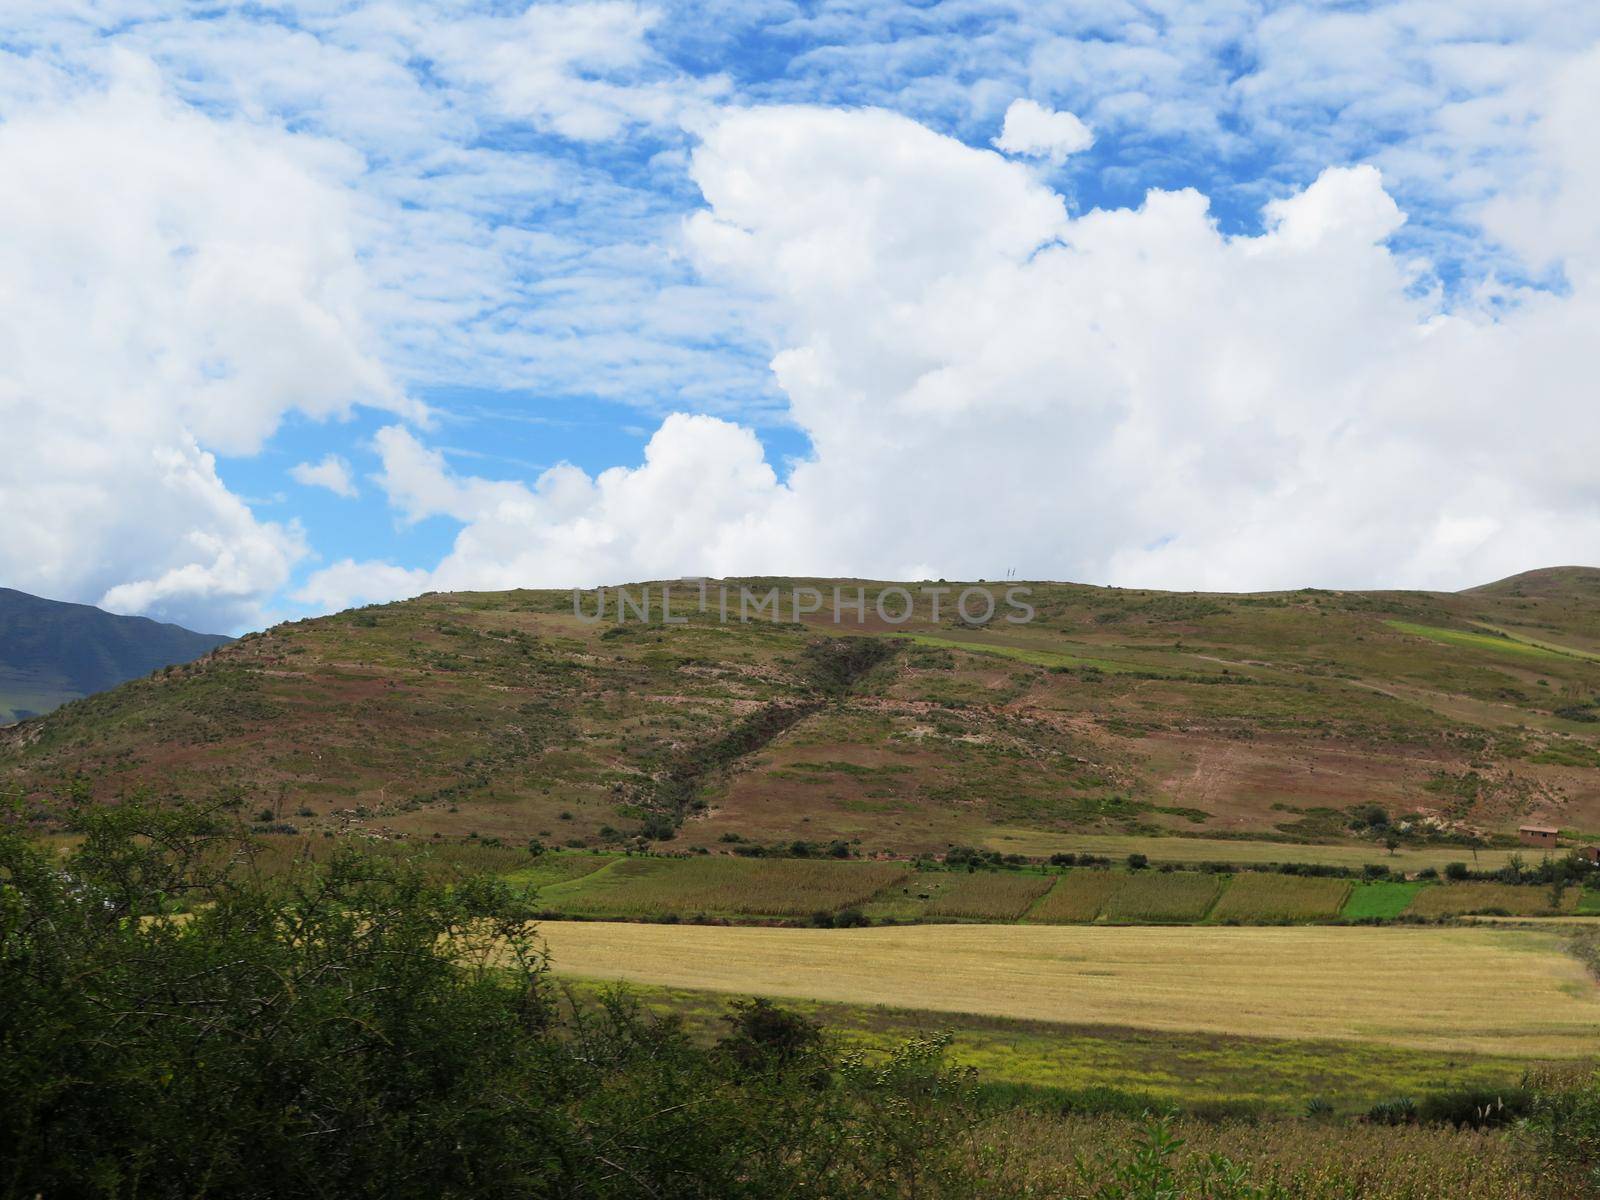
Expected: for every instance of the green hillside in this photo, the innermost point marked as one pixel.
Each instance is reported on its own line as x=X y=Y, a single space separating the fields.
x=1351 y=719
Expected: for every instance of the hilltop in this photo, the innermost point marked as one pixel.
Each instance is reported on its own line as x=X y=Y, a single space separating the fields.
x=1288 y=716
x=52 y=652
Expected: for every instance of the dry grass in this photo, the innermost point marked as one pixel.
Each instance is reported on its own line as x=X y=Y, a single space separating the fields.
x=1455 y=899
x=1077 y=896
x=723 y=886
x=1306 y=1160
x=1262 y=897
x=1162 y=896
x=990 y=895
x=1494 y=991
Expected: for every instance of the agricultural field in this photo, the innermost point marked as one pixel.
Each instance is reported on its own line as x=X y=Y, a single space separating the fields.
x=1208 y=1072
x=1243 y=851
x=1312 y=983
x=1259 y=896
x=1380 y=899
x=1158 y=897
x=1078 y=895
x=648 y=887
x=1458 y=899
x=990 y=895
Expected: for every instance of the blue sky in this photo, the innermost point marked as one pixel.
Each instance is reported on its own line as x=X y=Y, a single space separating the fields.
x=518 y=236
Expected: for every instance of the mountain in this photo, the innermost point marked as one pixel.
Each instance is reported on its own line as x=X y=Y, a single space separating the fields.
x=1277 y=716
x=52 y=652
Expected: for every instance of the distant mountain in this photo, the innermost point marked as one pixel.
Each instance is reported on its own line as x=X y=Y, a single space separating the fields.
x=52 y=652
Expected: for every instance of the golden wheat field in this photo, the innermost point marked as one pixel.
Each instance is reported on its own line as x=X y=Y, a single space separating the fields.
x=1467 y=989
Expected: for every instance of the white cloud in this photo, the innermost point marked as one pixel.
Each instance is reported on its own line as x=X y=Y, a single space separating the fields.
x=584 y=71
x=1035 y=131
x=348 y=583
x=170 y=286
x=1128 y=396
x=332 y=473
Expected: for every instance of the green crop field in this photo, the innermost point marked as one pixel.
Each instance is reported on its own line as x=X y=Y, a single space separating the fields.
x=721 y=886
x=1456 y=899
x=1158 y=896
x=990 y=895
x=1381 y=898
x=1257 y=896
x=1078 y=895
x=1589 y=903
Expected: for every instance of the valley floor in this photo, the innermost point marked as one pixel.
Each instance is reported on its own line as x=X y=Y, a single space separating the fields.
x=1500 y=992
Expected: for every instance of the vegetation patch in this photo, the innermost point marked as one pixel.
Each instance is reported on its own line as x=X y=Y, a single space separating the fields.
x=1260 y=896
x=1078 y=895
x=1496 y=643
x=656 y=887
x=1379 y=900
x=1495 y=899
x=1156 y=897
x=990 y=895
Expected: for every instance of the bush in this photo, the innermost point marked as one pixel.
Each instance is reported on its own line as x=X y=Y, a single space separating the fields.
x=1400 y=1111
x=851 y=918
x=404 y=1042
x=1457 y=871
x=1137 y=862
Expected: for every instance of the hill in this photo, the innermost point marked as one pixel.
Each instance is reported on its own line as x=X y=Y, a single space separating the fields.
x=52 y=652
x=1284 y=717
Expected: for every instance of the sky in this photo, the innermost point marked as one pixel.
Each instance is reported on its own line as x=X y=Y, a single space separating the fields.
x=304 y=306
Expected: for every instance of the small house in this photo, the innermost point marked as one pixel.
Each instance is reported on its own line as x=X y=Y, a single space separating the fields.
x=1591 y=854
x=1538 y=835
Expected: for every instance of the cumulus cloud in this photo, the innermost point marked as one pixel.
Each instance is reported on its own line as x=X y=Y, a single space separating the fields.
x=1129 y=396
x=170 y=286
x=1035 y=131
x=332 y=473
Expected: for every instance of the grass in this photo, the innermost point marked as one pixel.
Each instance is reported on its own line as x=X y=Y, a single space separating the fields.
x=1161 y=896
x=1384 y=899
x=1263 y=897
x=1512 y=993
x=1458 y=899
x=1589 y=903
x=1477 y=641
x=553 y=868
x=721 y=887
x=1078 y=895
x=990 y=895
x=1037 y=658
x=1191 y=1070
